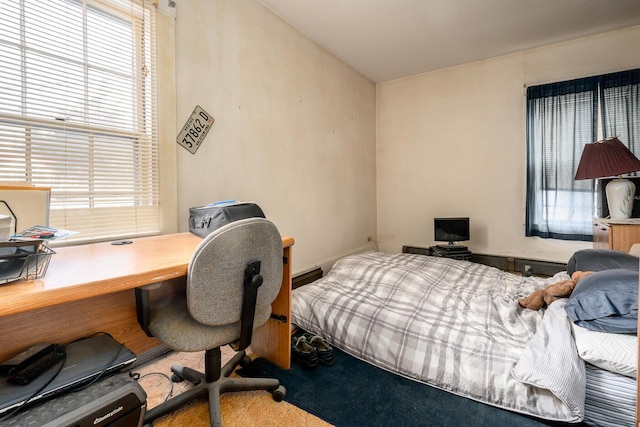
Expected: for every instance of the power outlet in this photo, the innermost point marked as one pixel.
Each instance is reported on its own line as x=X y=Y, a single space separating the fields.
x=528 y=271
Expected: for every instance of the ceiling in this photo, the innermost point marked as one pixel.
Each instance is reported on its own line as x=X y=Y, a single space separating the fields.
x=391 y=39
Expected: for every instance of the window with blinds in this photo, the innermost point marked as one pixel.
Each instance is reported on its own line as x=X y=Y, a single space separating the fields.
x=561 y=118
x=78 y=111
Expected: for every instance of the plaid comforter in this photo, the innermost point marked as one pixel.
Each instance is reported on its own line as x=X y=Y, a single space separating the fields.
x=452 y=324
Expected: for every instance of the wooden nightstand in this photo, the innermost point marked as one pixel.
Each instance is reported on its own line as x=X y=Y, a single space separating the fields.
x=616 y=234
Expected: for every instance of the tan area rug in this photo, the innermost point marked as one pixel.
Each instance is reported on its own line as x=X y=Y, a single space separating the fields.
x=238 y=409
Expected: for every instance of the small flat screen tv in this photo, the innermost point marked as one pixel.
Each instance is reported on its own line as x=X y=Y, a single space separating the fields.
x=451 y=230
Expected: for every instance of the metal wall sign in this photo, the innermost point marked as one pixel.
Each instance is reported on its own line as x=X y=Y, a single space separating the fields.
x=195 y=129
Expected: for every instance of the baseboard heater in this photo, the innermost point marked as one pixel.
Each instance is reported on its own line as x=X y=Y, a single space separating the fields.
x=306 y=277
x=505 y=263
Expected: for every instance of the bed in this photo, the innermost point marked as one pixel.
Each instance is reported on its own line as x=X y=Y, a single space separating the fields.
x=457 y=326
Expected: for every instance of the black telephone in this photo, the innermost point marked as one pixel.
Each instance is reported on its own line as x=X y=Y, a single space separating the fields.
x=29 y=364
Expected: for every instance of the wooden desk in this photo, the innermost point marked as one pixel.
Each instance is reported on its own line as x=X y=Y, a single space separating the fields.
x=90 y=288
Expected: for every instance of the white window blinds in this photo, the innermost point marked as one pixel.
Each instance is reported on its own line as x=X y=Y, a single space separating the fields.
x=78 y=111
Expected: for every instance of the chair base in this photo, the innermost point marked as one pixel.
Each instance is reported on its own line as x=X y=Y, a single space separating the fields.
x=217 y=384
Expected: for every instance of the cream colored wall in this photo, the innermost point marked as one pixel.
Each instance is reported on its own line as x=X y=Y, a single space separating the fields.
x=452 y=143
x=294 y=127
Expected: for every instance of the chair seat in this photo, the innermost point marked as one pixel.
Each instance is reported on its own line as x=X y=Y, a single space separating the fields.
x=170 y=322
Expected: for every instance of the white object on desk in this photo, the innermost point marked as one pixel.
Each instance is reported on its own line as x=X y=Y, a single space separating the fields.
x=29 y=204
x=5 y=227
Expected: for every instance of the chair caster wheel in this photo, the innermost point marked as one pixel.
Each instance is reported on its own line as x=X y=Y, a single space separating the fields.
x=176 y=378
x=279 y=393
x=245 y=361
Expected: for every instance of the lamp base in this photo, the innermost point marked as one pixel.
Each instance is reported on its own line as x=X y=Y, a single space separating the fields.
x=620 y=194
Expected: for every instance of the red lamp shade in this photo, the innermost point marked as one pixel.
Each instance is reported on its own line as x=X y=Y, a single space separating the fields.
x=608 y=157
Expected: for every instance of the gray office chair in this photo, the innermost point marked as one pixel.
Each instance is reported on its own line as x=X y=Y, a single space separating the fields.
x=233 y=277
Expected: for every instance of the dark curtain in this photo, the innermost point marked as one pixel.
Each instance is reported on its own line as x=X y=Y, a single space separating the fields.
x=561 y=119
x=620 y=94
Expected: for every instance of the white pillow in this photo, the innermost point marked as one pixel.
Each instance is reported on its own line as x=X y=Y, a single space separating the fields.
x=614 y=352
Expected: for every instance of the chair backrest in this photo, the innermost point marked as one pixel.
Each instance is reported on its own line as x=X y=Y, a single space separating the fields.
x=215 y=277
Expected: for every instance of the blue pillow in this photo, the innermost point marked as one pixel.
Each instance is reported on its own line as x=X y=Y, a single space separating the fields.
x=606 y=301
x=601 y=259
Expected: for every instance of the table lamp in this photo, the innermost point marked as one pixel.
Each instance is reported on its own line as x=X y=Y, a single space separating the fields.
x=610 y=157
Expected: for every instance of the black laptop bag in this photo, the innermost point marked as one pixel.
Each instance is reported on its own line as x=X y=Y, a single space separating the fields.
x=204 y=219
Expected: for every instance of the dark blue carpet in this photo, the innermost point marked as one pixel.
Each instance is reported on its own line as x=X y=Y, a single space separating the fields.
x=355 y=393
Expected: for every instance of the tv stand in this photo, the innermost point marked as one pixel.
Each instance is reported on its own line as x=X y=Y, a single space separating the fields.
x=451 y=251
